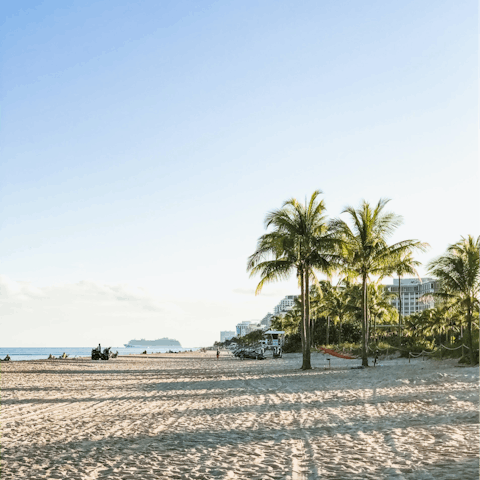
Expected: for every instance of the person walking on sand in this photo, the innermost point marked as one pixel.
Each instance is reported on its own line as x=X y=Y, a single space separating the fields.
x=218 y=353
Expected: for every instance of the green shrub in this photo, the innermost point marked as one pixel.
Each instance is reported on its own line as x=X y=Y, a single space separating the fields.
x=293 y=343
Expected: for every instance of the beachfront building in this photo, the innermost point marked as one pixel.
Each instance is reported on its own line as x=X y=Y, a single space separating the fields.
x=255 y=326
x=227 y=335
x=285 y=305
x=247 y=326
x=412 y=291
x=242 y=328
x=266 y=320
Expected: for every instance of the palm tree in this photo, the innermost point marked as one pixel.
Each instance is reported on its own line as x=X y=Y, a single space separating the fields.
x=365 y=250
x=406 y=265
x=276 y=322
x=331 y=302
x=447 y=314
x=428 y=323
x=379 y=304
x=292 y=321
x=413 y=325
x=458 y=272
x=300 y=241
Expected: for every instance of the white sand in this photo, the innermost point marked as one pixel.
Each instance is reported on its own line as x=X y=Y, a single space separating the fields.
x=188 y=416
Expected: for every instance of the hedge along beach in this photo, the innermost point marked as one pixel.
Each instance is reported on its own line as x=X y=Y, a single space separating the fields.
x=190 y=416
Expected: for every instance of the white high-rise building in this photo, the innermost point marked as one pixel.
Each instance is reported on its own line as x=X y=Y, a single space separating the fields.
x=412 y=289
x=285 y=305
x=227 y=335
x=242 y=328
x=247 y=326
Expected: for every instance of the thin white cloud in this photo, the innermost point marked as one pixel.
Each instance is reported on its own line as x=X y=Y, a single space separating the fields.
x=18 y=291
x=88 y=312
x=84 y=313
x=121 y=293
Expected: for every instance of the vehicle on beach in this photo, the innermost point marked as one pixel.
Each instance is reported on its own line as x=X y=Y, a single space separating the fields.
x=97 y=353
x=254 y=353
x=273 y=341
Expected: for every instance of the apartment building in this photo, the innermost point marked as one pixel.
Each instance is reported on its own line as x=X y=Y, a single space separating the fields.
x=247 y=326
x=412 y=291
x=285 y=305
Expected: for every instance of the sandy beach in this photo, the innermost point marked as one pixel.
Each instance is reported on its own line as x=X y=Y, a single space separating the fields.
x=189 y=416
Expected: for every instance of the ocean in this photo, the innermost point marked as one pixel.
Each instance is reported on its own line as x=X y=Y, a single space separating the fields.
x=18 y=353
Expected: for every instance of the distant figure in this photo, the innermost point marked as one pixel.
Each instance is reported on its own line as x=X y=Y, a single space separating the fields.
x=375 y=358
x=7 y=358
x=218 y=353
x=97 y=353
x=64 y=355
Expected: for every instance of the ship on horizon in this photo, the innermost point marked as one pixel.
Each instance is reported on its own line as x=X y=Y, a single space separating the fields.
x=160 y=342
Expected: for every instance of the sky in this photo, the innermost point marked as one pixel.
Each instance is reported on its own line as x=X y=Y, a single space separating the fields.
x=143 y=143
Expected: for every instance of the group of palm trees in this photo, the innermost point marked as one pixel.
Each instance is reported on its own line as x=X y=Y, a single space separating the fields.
x=301 y=240
x=343 y=302
x=340 y=305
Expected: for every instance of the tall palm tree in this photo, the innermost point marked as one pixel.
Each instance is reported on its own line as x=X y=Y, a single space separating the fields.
x=458 y=271
x=300 y=242
x=406 y=265
x=365 y=250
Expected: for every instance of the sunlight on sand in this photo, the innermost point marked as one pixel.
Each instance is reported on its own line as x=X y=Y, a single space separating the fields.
x=189 y=416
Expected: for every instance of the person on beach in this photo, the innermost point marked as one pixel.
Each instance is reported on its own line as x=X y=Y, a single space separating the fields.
x=218 y=353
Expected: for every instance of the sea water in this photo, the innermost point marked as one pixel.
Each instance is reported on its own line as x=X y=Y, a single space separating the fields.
x=41 y=353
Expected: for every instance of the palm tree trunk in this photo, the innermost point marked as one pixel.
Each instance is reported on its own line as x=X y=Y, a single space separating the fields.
x=369 y=322
x=328 y=331
x=302 y=323
x=340 y=332
x=306 y=354
x=312 y=321
x=364 y=321
x=400 y=308
x=470 y=339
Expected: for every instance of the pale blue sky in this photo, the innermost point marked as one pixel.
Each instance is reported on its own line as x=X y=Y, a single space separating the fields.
x=143 y=142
